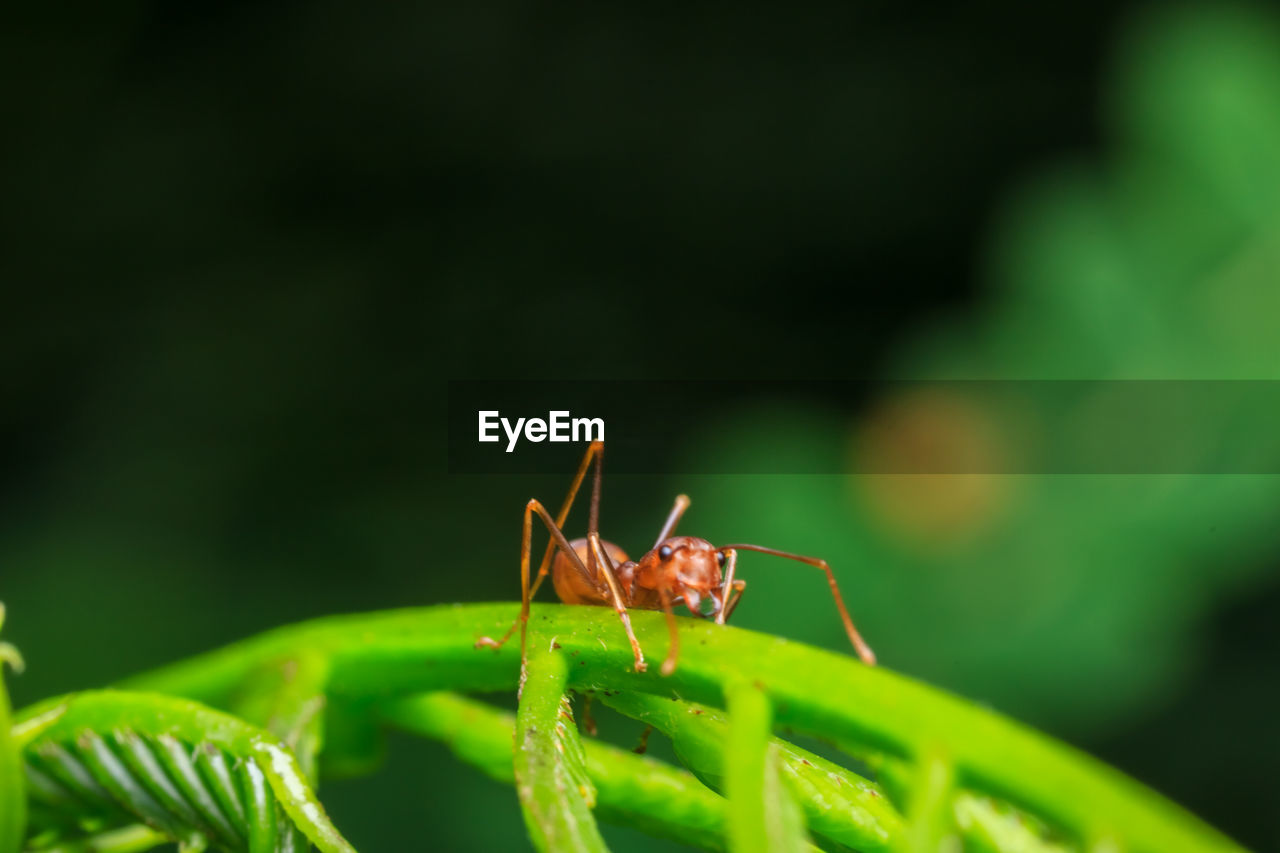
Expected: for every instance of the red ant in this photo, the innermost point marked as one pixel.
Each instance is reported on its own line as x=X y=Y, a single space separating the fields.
x=678 y=569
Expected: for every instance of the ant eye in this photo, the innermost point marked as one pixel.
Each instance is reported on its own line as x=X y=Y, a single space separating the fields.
x=665 y=552
x=720 y=558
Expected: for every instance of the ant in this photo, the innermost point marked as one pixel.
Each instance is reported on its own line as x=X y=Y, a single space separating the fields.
x=677 y=570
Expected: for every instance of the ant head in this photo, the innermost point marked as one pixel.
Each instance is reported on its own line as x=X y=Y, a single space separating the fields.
x=685 y=566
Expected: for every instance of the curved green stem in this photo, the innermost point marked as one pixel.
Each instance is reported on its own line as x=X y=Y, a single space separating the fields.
x=550 y=768
x=287 y=698
x=931 y=814
x=762 y=816
x=862 y=709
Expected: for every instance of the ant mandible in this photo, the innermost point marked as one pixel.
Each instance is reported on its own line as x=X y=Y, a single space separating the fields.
x=677 y=570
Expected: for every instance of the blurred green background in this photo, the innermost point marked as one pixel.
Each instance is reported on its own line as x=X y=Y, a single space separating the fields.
x=246 y=244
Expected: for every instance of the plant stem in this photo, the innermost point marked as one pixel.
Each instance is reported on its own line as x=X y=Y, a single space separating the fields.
x=762 y=816
x=550 y=770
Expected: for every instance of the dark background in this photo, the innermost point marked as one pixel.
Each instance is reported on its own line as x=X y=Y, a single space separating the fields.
x=246 y=245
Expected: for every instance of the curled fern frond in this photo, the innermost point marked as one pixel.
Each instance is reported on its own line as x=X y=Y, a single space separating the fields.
x=106 y=760
x=871 y=713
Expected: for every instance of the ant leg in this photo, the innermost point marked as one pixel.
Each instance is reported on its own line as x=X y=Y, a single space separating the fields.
x=738 y=587
x=730 y=566
x=601 y=567
x=864 y=651
x=614 y=590
x=669 y=526
x=593 y=511
x=600 y=564
x=643 y=747
x=526 y=592
x=594 y=451
x=673 y=650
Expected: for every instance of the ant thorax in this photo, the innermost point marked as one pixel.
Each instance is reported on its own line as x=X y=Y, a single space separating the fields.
x=637 y=594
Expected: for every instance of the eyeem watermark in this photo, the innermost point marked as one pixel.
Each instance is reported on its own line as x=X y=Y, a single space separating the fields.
x=558 y=427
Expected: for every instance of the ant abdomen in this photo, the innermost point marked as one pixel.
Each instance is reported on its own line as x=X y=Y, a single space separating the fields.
x=571 y=586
